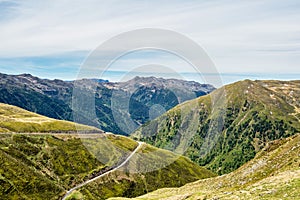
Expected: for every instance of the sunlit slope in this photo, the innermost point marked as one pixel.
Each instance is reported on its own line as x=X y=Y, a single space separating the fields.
x=14 y=119
x=151 y=168
x=45 y=165
x=245 y=116
x=42 y=166
x=273 y=174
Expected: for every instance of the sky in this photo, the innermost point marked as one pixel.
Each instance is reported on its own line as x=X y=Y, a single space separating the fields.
x=257 y=39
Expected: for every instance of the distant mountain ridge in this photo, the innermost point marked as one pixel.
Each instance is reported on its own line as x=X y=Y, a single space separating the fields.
x=162 y=82
x=53 y=98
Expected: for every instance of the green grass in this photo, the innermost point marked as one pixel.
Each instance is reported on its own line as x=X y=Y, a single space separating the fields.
x=75 y=195
x=252 y=114
x=44 y=166
x=150 y=169
x=273 y=174
x=14 y=119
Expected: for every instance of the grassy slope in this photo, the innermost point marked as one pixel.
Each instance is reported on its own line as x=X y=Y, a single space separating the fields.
x=273 y=174
x=254 y=113
x=14 y=119
x=137 y=177
x=44 y=166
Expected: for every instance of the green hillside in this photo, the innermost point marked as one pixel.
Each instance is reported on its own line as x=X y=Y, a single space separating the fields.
x=242 y=121
x=45 y=165
x=139 y=176
x=273 y=174
x=14 y=119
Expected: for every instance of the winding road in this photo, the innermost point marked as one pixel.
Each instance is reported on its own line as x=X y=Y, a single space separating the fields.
x=104 y=174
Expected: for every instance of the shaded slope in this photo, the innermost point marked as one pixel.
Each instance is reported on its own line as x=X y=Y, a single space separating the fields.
x=225 y=136
x=273 y=174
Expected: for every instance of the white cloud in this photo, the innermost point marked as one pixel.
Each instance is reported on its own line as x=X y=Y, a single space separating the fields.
x=240 y=36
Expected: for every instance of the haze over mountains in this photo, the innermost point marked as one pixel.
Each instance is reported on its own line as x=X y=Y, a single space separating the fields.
x=53 y=98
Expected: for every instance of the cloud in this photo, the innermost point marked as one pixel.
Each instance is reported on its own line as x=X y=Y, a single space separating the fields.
x=240 y=36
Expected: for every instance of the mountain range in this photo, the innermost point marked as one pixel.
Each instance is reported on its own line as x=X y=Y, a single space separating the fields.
x=53 y=98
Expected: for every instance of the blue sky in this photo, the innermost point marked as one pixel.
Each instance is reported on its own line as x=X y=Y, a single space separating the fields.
x=52 y=38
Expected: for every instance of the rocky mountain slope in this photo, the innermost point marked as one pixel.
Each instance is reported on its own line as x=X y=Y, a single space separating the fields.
x=274 y=173
x=226 y=128
x=53 y=98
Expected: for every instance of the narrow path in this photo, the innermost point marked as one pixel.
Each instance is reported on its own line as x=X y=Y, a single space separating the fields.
x=104 y=174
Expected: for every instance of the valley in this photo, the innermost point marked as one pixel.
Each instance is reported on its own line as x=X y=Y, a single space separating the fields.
x=246 y=132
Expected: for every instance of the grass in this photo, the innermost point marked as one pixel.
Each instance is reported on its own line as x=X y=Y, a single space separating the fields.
x=241 y=123
x=273 y=174
x=14 y=119
x=75 y=195
x=44 y=166
x=151 y=168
